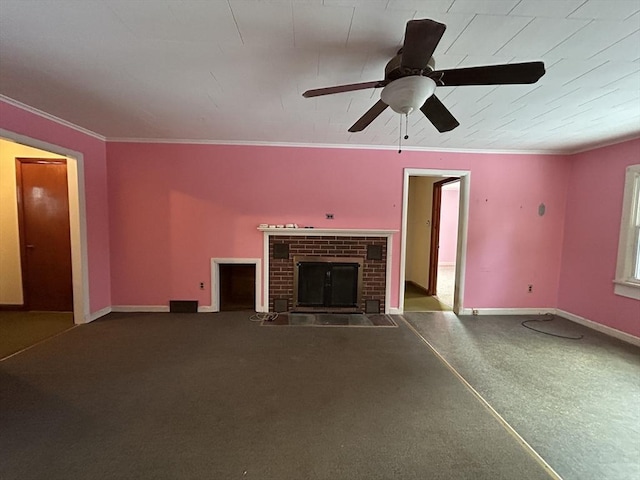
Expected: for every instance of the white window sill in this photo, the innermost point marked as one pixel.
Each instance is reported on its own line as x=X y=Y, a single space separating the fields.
x=627 y=289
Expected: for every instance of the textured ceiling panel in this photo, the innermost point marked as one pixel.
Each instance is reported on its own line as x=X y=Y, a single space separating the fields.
x=540 y=36
x=492 y=30
x=607 y=9
x=235 y=70
x=546 y=8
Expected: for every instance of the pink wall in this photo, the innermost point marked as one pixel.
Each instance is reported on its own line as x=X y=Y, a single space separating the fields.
x=449 y=223
x=174 y=206
x=25 y=123
x=594 y=207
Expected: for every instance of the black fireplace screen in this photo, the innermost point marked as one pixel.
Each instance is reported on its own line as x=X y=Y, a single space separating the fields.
x=327 y=282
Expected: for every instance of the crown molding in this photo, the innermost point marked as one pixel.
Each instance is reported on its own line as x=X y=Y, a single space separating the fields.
x=606 y=143
x=53 y=118
x=246 y=143
x=332 y=145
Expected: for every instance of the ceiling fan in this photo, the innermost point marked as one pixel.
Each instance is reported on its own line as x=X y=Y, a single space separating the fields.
x=410 y=78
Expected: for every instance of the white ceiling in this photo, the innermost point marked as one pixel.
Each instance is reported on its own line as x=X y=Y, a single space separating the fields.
x=234 y=70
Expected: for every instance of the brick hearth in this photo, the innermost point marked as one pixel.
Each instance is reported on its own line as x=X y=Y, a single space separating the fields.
x=281 y=270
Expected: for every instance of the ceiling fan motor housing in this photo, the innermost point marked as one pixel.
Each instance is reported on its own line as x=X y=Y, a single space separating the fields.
x=407 y=94
x=393 y=70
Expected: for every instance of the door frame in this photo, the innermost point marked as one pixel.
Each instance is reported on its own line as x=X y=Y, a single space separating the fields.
x=436 y=210
x=463 y=220
x=77 y=220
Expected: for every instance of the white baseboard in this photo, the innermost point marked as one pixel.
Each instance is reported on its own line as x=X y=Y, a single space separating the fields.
x=211 y=309
x=395 y=311
x=162 y=308
x=508 y=311
x=96 y=315
x=140 y=308
x=612 y=332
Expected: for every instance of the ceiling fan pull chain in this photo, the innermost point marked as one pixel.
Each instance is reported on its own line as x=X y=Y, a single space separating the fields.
x=406 y=129
x=400 y=137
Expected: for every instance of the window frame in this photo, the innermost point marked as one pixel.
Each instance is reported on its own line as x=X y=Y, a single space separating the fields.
x=625 y=284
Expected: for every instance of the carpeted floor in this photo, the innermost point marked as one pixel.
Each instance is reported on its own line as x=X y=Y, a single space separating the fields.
x=19 y=330
x=215 y=396
x=576 y=402
x=415 y=300
x=446 y=284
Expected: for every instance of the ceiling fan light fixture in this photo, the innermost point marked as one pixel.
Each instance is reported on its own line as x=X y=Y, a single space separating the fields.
x=409 y=83
x=407 y=94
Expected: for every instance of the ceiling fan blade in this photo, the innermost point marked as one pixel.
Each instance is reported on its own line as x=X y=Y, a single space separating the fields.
x=511 y=73
x=421 y=38
x=439 y=115
x=369 y=116
x=344 y=88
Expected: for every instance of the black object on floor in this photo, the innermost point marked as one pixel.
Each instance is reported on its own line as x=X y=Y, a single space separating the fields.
x=525 y=324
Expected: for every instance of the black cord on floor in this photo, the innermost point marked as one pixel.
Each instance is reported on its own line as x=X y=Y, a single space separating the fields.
x=263 y=317
x=524 y=324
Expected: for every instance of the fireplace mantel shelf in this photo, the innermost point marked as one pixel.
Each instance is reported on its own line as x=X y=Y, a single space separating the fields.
x=346 y=232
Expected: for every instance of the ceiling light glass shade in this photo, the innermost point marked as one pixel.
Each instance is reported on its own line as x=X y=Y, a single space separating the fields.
x=408 y=93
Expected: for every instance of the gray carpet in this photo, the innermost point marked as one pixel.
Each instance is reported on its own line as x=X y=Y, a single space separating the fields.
x=416 y=300
x=20 y=330
x=215 y=396
x=577 y=402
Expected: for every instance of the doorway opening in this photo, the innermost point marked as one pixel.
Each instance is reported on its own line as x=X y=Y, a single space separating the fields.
x=12 y=146
x=41 y=286
x=435 y=206
x=444 y=240
x=235 y=284
x=237 y=287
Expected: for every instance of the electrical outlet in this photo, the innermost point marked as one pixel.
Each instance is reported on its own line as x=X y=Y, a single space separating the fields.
x=530 y=288
x=201 y=285
x=329 y=216
x=474 y=312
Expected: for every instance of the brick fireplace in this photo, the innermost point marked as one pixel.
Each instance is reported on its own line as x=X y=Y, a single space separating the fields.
x=284 y=248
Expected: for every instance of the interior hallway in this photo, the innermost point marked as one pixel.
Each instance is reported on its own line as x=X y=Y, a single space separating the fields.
x=416 y=299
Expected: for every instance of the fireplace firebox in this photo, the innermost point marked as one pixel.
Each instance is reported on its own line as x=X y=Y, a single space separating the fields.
x=327 y=283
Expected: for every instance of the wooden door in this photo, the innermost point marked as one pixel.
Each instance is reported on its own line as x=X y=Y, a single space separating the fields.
x=435 y=234
x=43 y=216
